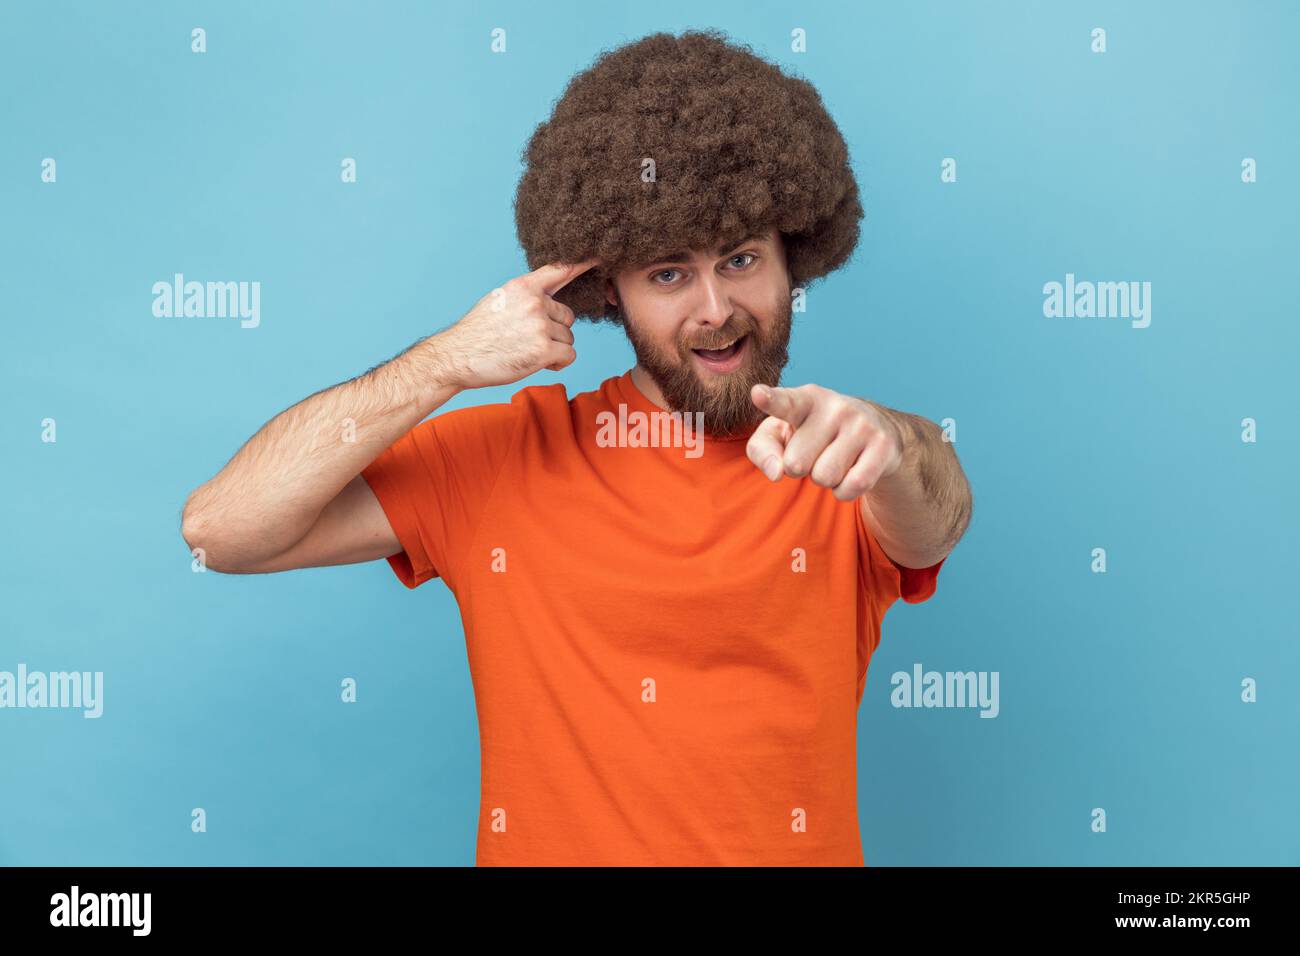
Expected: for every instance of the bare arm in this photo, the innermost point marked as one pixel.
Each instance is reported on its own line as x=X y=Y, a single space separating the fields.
x=293 y=495
x=270 y=495
x=920 y=512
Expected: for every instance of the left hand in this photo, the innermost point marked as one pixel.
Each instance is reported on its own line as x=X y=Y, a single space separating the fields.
x=841 y=442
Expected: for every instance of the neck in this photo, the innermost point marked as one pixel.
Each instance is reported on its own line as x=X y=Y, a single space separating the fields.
x=641 y=378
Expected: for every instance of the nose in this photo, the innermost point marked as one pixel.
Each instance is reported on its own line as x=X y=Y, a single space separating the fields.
x=713 y=306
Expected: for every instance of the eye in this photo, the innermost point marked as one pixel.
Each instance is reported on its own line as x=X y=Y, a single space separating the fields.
x=655 y=277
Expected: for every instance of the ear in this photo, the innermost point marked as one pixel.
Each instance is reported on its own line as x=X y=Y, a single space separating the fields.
x=611 y=292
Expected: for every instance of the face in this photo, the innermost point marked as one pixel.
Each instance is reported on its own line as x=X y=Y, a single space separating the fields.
x=707 y=326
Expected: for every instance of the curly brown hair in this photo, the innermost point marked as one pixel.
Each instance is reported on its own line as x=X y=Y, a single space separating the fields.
x=737 y=148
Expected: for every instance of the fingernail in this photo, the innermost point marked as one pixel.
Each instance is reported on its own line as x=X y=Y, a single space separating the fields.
x=772 y=468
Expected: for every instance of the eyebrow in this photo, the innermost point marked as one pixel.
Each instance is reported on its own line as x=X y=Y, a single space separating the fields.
x=680 y=257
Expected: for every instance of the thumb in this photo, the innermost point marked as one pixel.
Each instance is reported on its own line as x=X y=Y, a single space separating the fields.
x=766 y=447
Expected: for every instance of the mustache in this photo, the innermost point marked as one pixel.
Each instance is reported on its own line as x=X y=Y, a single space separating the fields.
x=723 y=337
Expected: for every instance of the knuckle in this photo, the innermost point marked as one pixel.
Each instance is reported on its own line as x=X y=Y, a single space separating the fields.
x=822 y=475
x=859 y=427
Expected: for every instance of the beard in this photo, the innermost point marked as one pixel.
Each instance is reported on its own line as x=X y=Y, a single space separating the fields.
x=723 y=397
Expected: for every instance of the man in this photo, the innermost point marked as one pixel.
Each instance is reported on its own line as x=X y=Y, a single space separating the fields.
x=670 y=586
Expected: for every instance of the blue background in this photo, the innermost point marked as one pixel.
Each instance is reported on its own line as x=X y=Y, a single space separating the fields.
x=1118 y=690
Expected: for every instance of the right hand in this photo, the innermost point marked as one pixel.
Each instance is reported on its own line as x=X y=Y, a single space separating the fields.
x=514 y=330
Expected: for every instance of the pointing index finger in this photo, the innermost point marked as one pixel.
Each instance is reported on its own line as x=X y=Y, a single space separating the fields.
x=787 y=404
x=554 y=276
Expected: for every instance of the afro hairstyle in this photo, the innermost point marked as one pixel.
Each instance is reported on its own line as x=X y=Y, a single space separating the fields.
x=738 y=147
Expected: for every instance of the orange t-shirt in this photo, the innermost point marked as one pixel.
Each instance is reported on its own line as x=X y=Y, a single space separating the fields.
x=667 y=649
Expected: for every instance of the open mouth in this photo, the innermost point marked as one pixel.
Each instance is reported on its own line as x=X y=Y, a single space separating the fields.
x=724 y=359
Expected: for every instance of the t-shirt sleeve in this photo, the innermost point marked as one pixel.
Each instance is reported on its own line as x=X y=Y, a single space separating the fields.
x=886 y=579
x=434 y=484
